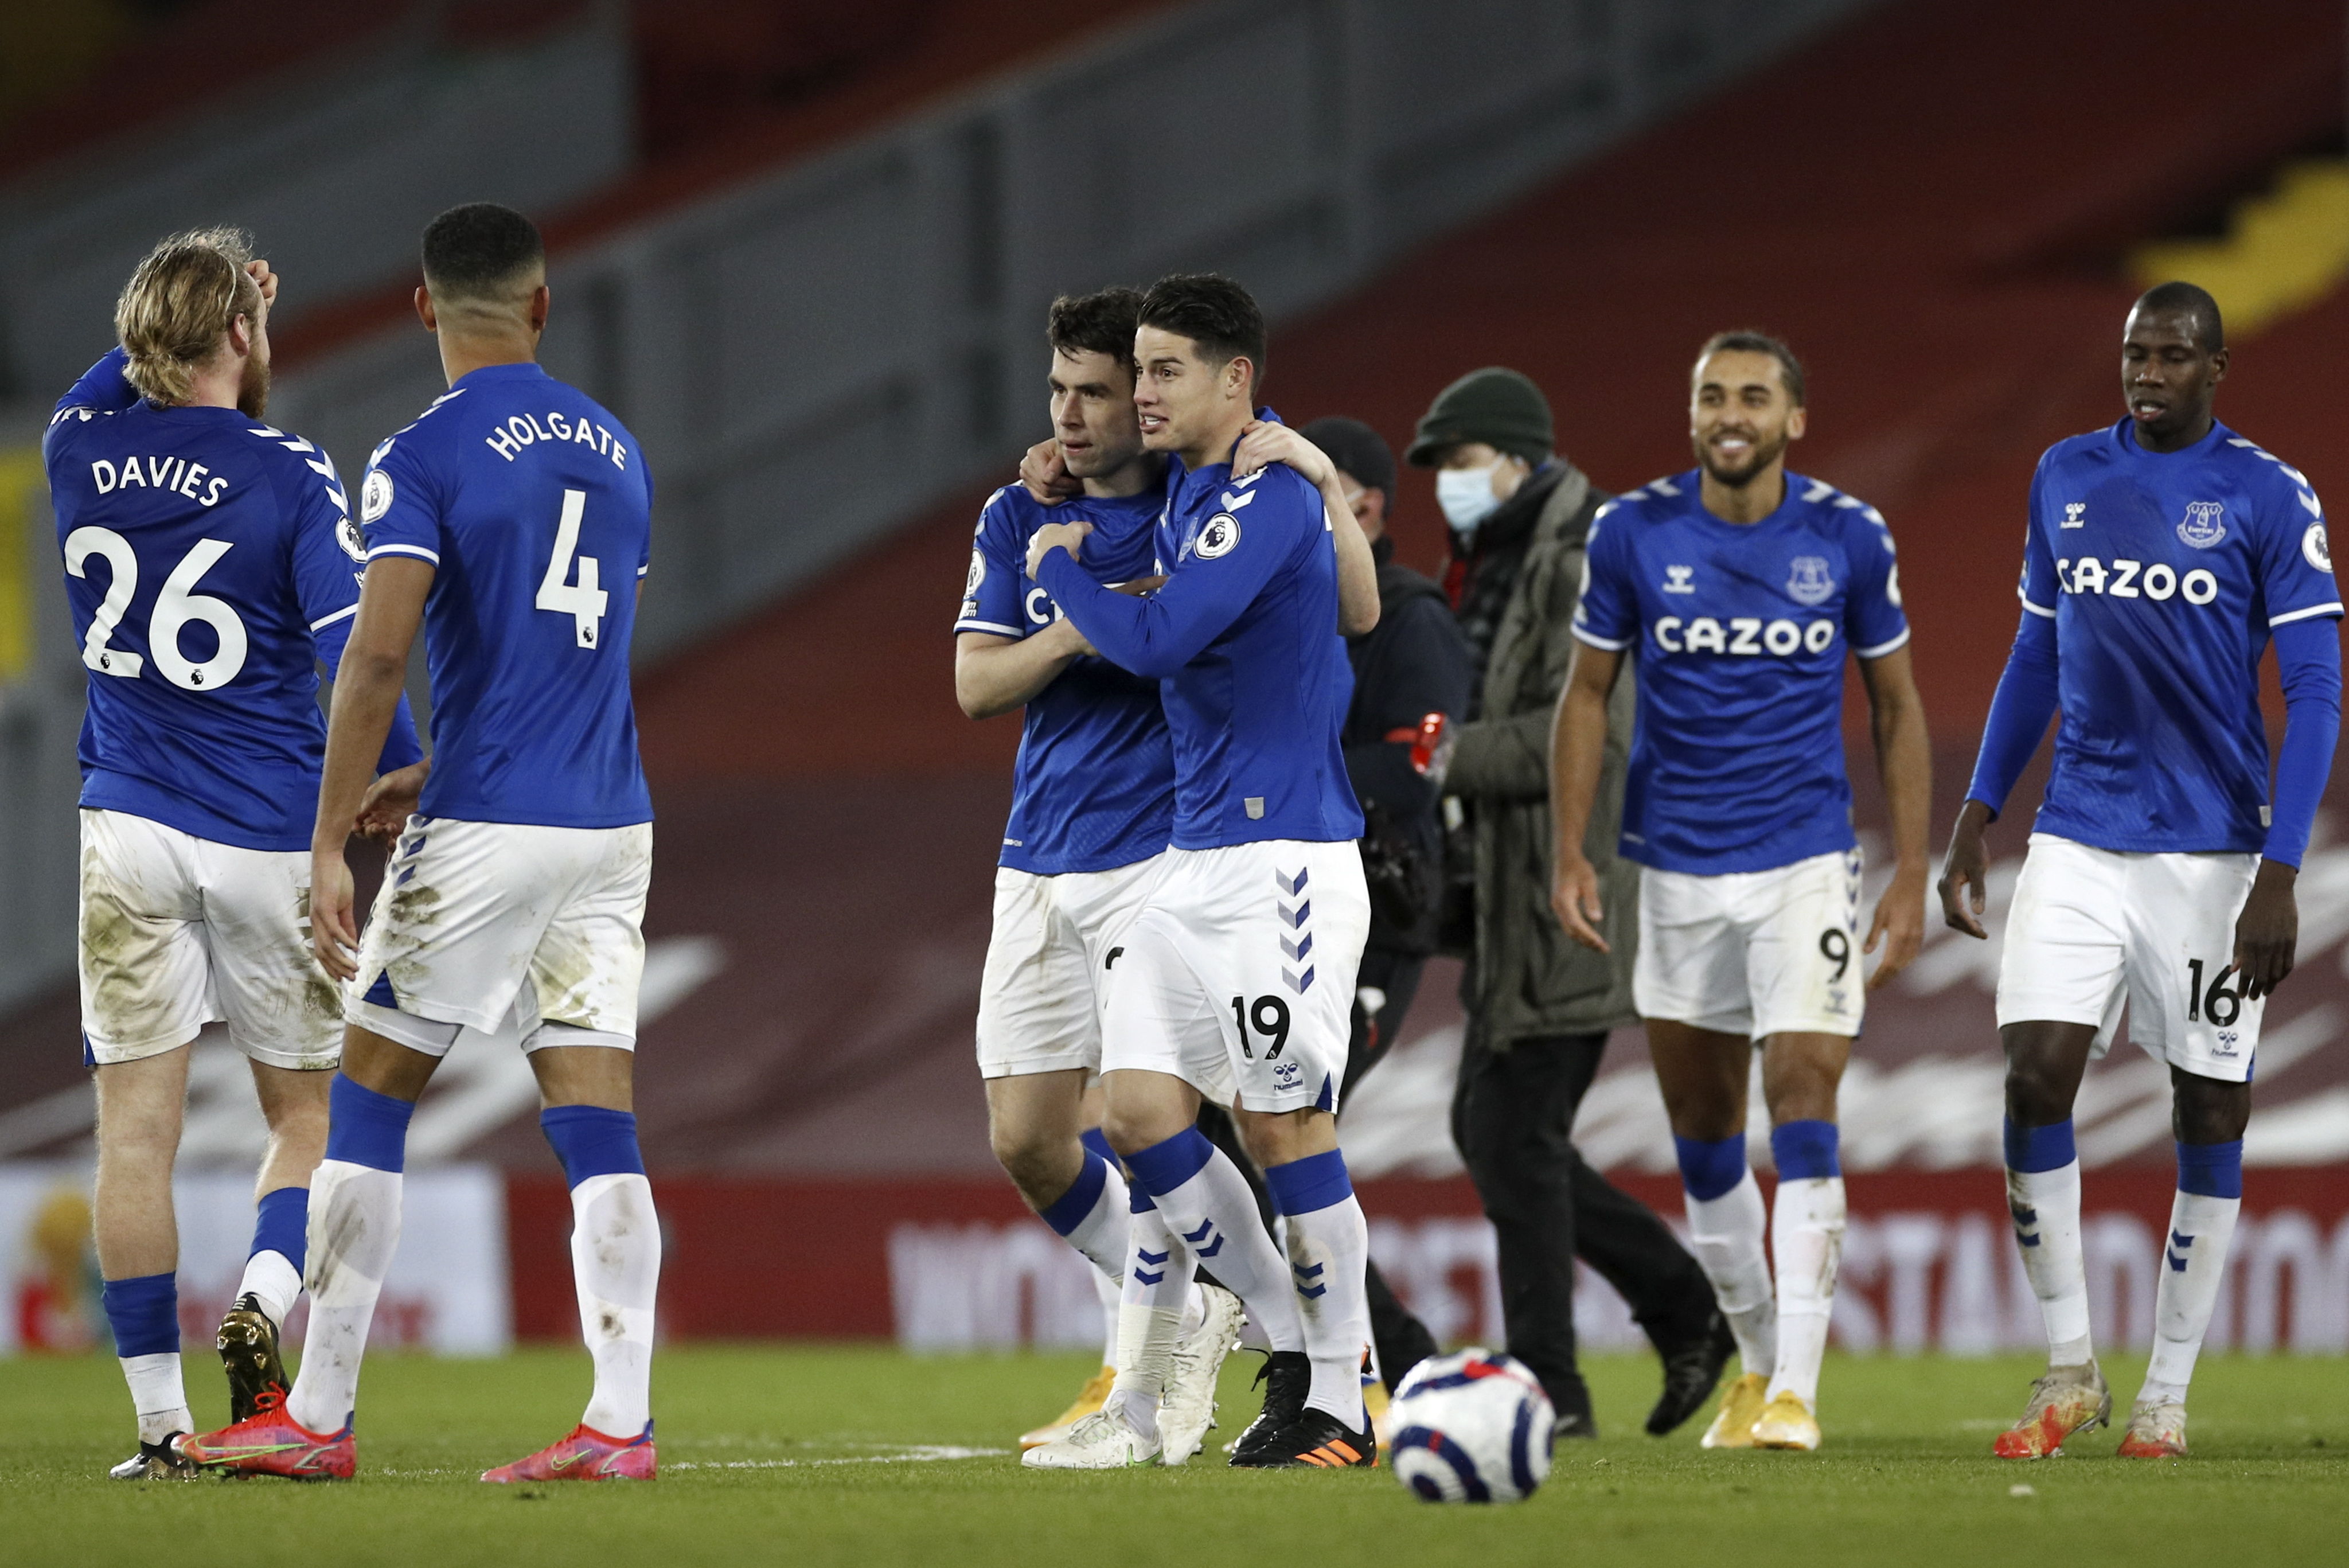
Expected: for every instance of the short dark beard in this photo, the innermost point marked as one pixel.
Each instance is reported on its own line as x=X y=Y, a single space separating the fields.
x=252 y=390
x=1763 y=458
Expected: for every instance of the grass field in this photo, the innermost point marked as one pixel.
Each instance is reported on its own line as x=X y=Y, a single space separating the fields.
x=818 y=1456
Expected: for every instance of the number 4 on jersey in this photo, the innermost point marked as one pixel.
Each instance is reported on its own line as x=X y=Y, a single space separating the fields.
x=585 y=599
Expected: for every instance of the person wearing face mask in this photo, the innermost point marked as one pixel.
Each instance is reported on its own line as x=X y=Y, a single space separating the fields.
x=1538 y=1006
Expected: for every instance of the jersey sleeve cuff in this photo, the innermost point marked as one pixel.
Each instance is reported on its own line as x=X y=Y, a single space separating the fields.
x=1881 y=649
x=2035 y=609
x=417 y=550
x=2313 y=611
x=1611 y=645
x=991 y=628
x=343 y=614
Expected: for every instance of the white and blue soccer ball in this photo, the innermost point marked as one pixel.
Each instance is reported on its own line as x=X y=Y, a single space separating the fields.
x=1471 y=1427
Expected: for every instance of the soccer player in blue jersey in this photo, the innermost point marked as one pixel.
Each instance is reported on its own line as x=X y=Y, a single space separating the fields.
x=211 y=565
x=1092 y=805
x=512 y=519
x=1739 y=589
x=2162 y=555
x=1237 y=974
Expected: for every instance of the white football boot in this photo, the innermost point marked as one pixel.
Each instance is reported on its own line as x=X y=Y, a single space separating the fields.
x=1186 y=1413
x=1101 y=1441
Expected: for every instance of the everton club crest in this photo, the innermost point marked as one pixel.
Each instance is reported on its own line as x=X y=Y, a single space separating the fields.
x=1808 y=582
x=2205 y=525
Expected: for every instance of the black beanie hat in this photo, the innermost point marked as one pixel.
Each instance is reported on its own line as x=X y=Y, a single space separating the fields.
x=1358 y=450
x=1500 y=407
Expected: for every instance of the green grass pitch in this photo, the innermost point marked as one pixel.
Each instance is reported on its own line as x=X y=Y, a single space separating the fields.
x=807 y=1455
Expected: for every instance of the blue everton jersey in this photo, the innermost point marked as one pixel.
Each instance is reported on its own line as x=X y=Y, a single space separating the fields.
x=2163 y=572
x=534 y=507
x=1094 y=785
x=1740 y=633
x=210 y=562
x=1244 y=640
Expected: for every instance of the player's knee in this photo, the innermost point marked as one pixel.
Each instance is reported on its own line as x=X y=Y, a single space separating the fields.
x=2209 y=1110
x=2037 y=1094
x=1026 y=1155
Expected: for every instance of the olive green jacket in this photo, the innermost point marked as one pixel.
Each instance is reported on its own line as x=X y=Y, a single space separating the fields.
x=1527 y=977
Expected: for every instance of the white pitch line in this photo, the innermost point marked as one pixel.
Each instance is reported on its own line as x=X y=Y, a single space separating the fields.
x=920 y=1454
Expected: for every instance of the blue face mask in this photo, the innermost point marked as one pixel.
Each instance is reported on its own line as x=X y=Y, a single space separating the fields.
x=1467 y=496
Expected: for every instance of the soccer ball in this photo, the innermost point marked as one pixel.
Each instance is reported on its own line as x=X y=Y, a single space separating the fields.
x=1471 y=1428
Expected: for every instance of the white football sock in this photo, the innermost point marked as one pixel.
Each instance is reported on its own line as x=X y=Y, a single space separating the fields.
x=1150 y=1321
x=158 y=1394
x=1806 y=1225
x=1099 y=1234
x=271 y=1278
x=1214 y=1216
x=1329 y=1249
x=2193 y=1266
x=1110 y=1293
x=354 y=1231
x=1726 y=1235
x=616 y=1252
x=2045 y=1205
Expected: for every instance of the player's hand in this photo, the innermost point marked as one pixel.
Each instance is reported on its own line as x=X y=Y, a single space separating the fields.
x=333 y=934
x=1574 y=898
x=1045 y=475
x=1068 y=639
x=264 y=279
x=1900 y=924
x=1264 y=442
x=2266 y=930
x=389 y=801
x=1068 y=537
x=1964 y=896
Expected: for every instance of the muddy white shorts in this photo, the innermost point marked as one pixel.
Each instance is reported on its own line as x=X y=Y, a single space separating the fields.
x=1755 y=953
x=1048 y=965
x=179 y=931
x=2092 y=929
x=1238 y=974
x=506 y=926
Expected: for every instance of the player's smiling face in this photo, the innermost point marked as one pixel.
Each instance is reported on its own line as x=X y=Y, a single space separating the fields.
x=2168 y=378
x=1092 y=412
x=1181 y=397
x=1740 y=416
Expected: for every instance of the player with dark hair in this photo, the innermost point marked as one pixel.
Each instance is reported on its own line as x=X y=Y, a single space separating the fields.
x=2162 y=555
x=1092 y=806
x=512 y=519
x=1236 y=977
x=211 y=567
x=1741 y=589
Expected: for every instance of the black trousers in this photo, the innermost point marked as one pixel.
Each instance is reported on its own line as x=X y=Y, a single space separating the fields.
x=1512 y=1120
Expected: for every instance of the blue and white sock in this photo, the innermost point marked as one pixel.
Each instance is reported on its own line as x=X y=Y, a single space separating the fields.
x=2043 y=1193
x=273 y=1274
x=1807 y=1226
x=144 y=1313
x=1150 y=1318
x=2194 y=1263
x=355 y=1199
x=1329 y=1253
x=1727 y=1232
x=1212 y=1212
x=1092 y=1215
x=616 y=1253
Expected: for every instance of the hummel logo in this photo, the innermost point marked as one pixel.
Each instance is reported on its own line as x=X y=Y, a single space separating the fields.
x=1234 y=502
x=2075 y=514
x=1678 y=582
x=2179 y=1244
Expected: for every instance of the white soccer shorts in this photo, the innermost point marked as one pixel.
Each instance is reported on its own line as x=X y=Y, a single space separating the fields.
x=501 y=926
x=1238 y=974
x=1048 y=965
x=2092 y=929
x=1755 y=953
x=179 y=931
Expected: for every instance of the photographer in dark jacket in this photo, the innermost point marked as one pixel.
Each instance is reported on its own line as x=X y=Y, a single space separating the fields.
x=1540 y=1007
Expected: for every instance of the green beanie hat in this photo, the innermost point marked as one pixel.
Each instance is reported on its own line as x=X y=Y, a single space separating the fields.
x=1500 y=407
